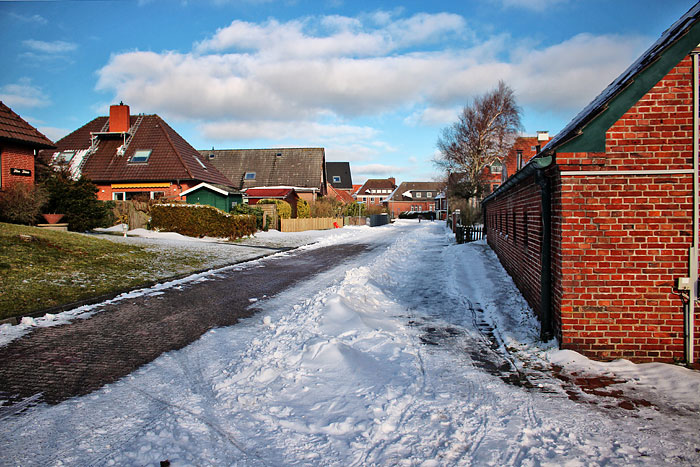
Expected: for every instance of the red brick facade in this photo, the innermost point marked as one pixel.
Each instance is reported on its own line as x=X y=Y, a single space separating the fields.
x=620 y=237
x=20 y=158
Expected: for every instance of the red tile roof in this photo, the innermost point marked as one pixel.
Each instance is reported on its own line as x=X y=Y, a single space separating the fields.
x=340 y=195
x=373 y=184
x=268 y=192
x=13 y=128
x=172 y=158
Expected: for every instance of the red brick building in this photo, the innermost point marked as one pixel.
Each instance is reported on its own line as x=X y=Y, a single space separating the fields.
x=413 y=197
x=524 y=148
x=19 y=142
x=597 y=229
x=133 y=156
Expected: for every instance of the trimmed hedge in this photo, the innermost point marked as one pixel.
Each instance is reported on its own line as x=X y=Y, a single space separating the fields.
x=303 y=209
x=284 y=209
x=200 y=221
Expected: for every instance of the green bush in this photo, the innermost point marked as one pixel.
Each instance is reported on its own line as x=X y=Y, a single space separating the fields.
x=21 y=203
x=251 y=211
x=284 y=209
x=201 y=220
x=303 y=209
x=77 y=199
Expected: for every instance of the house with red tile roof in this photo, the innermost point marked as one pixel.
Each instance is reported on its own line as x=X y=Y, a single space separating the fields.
x=339 y=194
x=283 y=193
x=413 y=197
x=375 y=190
x=19 y=142
x=133 y=156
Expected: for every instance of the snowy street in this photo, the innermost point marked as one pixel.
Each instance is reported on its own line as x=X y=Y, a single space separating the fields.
x=416 y=352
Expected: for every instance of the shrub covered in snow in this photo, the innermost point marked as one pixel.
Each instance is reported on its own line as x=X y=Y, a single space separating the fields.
x=201 y=221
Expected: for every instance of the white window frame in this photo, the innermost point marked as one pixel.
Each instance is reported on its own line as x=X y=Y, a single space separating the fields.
x=247 y=176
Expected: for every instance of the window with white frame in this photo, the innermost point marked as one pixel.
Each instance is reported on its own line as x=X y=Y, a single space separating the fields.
x=250 y=176
x=141 y=156
x=336 y=179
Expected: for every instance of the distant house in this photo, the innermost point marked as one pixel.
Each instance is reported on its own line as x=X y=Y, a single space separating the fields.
x=19 y=142
x=341 y=195
x=375 y=190
x=220 y=196
x=413 y=196
x=339 y=175
x=599 y=230
x=441 y=205
x=524 y=148
x=132 y=157
x=304 y=169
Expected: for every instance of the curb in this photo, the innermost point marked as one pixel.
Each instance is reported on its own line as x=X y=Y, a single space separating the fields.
x=14 y=320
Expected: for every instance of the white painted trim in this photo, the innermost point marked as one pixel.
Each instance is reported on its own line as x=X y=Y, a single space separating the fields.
x=588 y=173
x=204 y=185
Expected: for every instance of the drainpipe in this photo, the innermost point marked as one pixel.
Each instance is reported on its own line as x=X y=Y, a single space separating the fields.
x=693 y=256
x=545 y=185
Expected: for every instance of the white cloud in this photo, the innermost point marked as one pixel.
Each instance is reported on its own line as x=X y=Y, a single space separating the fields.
x=377 y=170
x=537 y=5
x=244 y=130
x=38 y=19
x=55 y=47
x=53 y=133
x=23 y=94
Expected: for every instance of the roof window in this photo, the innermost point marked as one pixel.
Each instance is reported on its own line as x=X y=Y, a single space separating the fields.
x=336 y=179
x=65 y=157
x=249 y=176
x=200 y=162
x=141 y=156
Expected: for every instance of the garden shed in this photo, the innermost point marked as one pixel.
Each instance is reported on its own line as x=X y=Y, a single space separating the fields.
x=600 y=230
x=219 y=196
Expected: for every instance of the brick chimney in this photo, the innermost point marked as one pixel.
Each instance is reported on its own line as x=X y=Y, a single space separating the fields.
x=119 y=118
x=392 y=180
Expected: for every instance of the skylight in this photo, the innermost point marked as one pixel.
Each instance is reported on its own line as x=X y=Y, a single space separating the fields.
x=336 y=179
x=65 y=157
x=141 y=156
x=200 y=163
x=250 y=175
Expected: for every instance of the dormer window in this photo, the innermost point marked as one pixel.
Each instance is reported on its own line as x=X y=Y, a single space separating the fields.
x=418 y=194
x=496 y=167
x=336 y=179
x=249 y=176
x=141 y=156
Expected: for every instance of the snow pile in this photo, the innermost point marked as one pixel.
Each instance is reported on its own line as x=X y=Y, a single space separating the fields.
x=382 y=360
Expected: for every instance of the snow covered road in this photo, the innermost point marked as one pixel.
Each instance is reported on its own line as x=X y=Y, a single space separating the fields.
x=422 y=353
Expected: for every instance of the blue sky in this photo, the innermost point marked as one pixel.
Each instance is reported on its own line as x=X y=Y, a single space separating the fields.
x=372 y=82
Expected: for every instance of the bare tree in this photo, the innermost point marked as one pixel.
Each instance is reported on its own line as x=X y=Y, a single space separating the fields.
x=484 y=133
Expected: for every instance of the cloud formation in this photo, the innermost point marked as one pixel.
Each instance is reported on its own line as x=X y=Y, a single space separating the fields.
x=313 y=78
x=55 y=47
x=23 y=94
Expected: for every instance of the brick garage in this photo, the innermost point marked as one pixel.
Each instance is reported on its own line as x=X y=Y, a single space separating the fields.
x=596 y=229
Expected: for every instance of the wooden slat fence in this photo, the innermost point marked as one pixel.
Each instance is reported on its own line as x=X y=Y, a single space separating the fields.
x=469 y=233
x=301 y=225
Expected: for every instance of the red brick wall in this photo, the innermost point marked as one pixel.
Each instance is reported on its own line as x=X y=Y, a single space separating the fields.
x=514 y=231
x=16 y=157
x=618 y=241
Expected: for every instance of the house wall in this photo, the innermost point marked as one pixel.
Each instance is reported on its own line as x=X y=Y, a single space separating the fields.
x=16 y=157
x=397 y=207
x=105 y=191
x=618 y=240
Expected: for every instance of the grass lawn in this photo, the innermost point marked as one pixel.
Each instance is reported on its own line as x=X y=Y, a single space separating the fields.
x=42 y=268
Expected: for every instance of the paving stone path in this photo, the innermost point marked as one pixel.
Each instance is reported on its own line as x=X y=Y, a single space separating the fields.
x=75 y=359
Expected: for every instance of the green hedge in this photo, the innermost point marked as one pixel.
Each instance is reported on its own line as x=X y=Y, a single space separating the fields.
x=284 y=209
x=303 y=209
x=200 y=221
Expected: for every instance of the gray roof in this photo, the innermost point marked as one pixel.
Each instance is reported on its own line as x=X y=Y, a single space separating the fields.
x=669 y=37
x=295 y=167
x=342 y=170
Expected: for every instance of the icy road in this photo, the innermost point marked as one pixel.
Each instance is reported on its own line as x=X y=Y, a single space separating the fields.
x=417 y=352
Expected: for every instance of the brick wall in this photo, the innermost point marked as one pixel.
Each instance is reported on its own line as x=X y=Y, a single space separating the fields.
x=16 y=157
x=618 y=240
x=514 y=231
